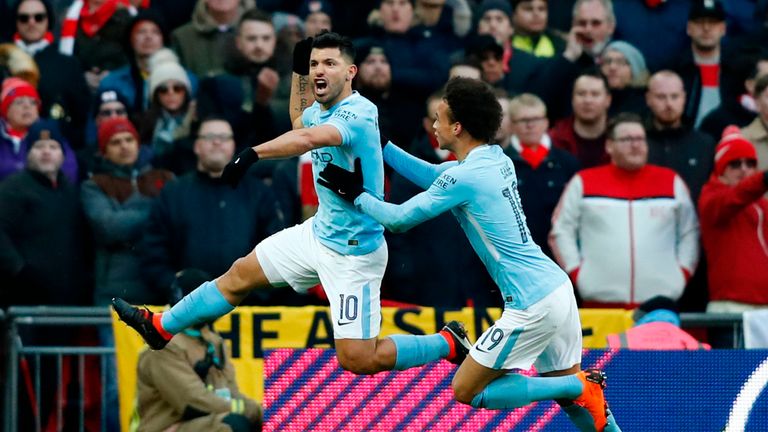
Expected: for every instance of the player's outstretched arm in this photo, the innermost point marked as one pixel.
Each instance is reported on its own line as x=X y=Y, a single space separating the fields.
x=419 y=172
x=396 y=218
x=292 y=143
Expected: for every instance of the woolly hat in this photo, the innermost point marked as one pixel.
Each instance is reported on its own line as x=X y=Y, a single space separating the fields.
x=732 y=146
x=478 y=45
x=502 y=5
x=363 y=51
x=112 y=126
x=281 y=20
x=312 y=6
x=109 y=95
x=12 y=89
x=164 y=66
x=634 y=58
x=706 y=9
x=657 y=308
x=150 y=15
x=44 y=130
x=186 y=281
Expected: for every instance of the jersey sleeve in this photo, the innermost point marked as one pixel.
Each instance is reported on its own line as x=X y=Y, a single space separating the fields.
x=420 y=172
x=350 y=123
x=445 y=193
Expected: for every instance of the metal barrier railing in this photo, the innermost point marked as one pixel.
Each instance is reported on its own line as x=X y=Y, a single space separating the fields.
x=734 y=321
x=19 y=318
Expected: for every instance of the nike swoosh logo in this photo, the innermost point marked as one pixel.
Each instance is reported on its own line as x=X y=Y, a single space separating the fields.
x=482 y=350
x=344 y=323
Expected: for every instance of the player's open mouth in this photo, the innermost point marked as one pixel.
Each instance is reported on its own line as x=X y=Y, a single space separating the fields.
x=320 y=85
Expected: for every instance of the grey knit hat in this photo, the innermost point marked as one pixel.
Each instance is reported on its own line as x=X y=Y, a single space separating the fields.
x=634 y=58
x=164 y=66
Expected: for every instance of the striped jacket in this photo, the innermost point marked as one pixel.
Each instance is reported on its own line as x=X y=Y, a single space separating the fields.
x=626 y=236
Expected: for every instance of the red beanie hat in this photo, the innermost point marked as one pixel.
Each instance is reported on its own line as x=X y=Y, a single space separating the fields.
x=732 y=146
x=15 y=88
x=112 y=126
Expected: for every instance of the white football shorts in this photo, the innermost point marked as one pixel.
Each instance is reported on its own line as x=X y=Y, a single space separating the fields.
x=295 y=257
x=547 y=334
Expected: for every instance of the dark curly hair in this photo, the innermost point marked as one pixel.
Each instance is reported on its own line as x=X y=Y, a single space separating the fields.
x=473 y=104
x=329 y=39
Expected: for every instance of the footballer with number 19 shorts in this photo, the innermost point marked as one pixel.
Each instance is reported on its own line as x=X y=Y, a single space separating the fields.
x=540 y=322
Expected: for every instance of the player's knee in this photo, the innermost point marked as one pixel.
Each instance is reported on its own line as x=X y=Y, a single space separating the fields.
x=240 y=276
x=462 y=393
x=358 y=363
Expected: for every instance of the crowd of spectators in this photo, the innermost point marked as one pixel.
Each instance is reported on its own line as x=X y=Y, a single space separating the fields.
x=118 y=116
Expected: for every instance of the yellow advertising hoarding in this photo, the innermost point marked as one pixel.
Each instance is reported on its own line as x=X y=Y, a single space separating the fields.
x=251 y=330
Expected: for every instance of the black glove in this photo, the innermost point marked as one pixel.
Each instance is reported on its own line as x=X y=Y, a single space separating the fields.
x=347 y=185
x=236 y=169
x=301 y=52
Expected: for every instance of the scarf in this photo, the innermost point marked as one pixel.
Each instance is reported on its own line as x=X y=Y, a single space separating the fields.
x=533 y=156
x=13 y=135
x=34 y=47
x=90 y=22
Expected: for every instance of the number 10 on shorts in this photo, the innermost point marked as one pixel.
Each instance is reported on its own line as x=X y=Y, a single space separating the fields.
x=347 y=308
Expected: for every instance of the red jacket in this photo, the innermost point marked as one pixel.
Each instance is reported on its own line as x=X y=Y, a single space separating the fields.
x=589 y=151
x=734 y=232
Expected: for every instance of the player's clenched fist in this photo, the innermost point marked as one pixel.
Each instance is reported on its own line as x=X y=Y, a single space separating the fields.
x=347 y=185
x=236 y=169
x=301 y=53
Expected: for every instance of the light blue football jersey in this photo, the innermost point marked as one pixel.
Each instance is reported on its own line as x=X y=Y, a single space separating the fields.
x=338 y=224
x=481 y=192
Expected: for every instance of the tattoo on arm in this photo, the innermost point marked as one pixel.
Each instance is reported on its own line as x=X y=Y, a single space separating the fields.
x=303 y=88
x=301 y=97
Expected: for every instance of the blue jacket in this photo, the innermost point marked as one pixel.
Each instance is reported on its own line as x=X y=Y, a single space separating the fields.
x=126 y=81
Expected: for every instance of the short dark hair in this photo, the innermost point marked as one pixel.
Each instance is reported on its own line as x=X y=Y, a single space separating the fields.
x=329 y=39
x=596 y=74
x=49 y=11
x=197 y=125
x=254 y=15
x=621 y=118
x=468 y=61
x=473 y=104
